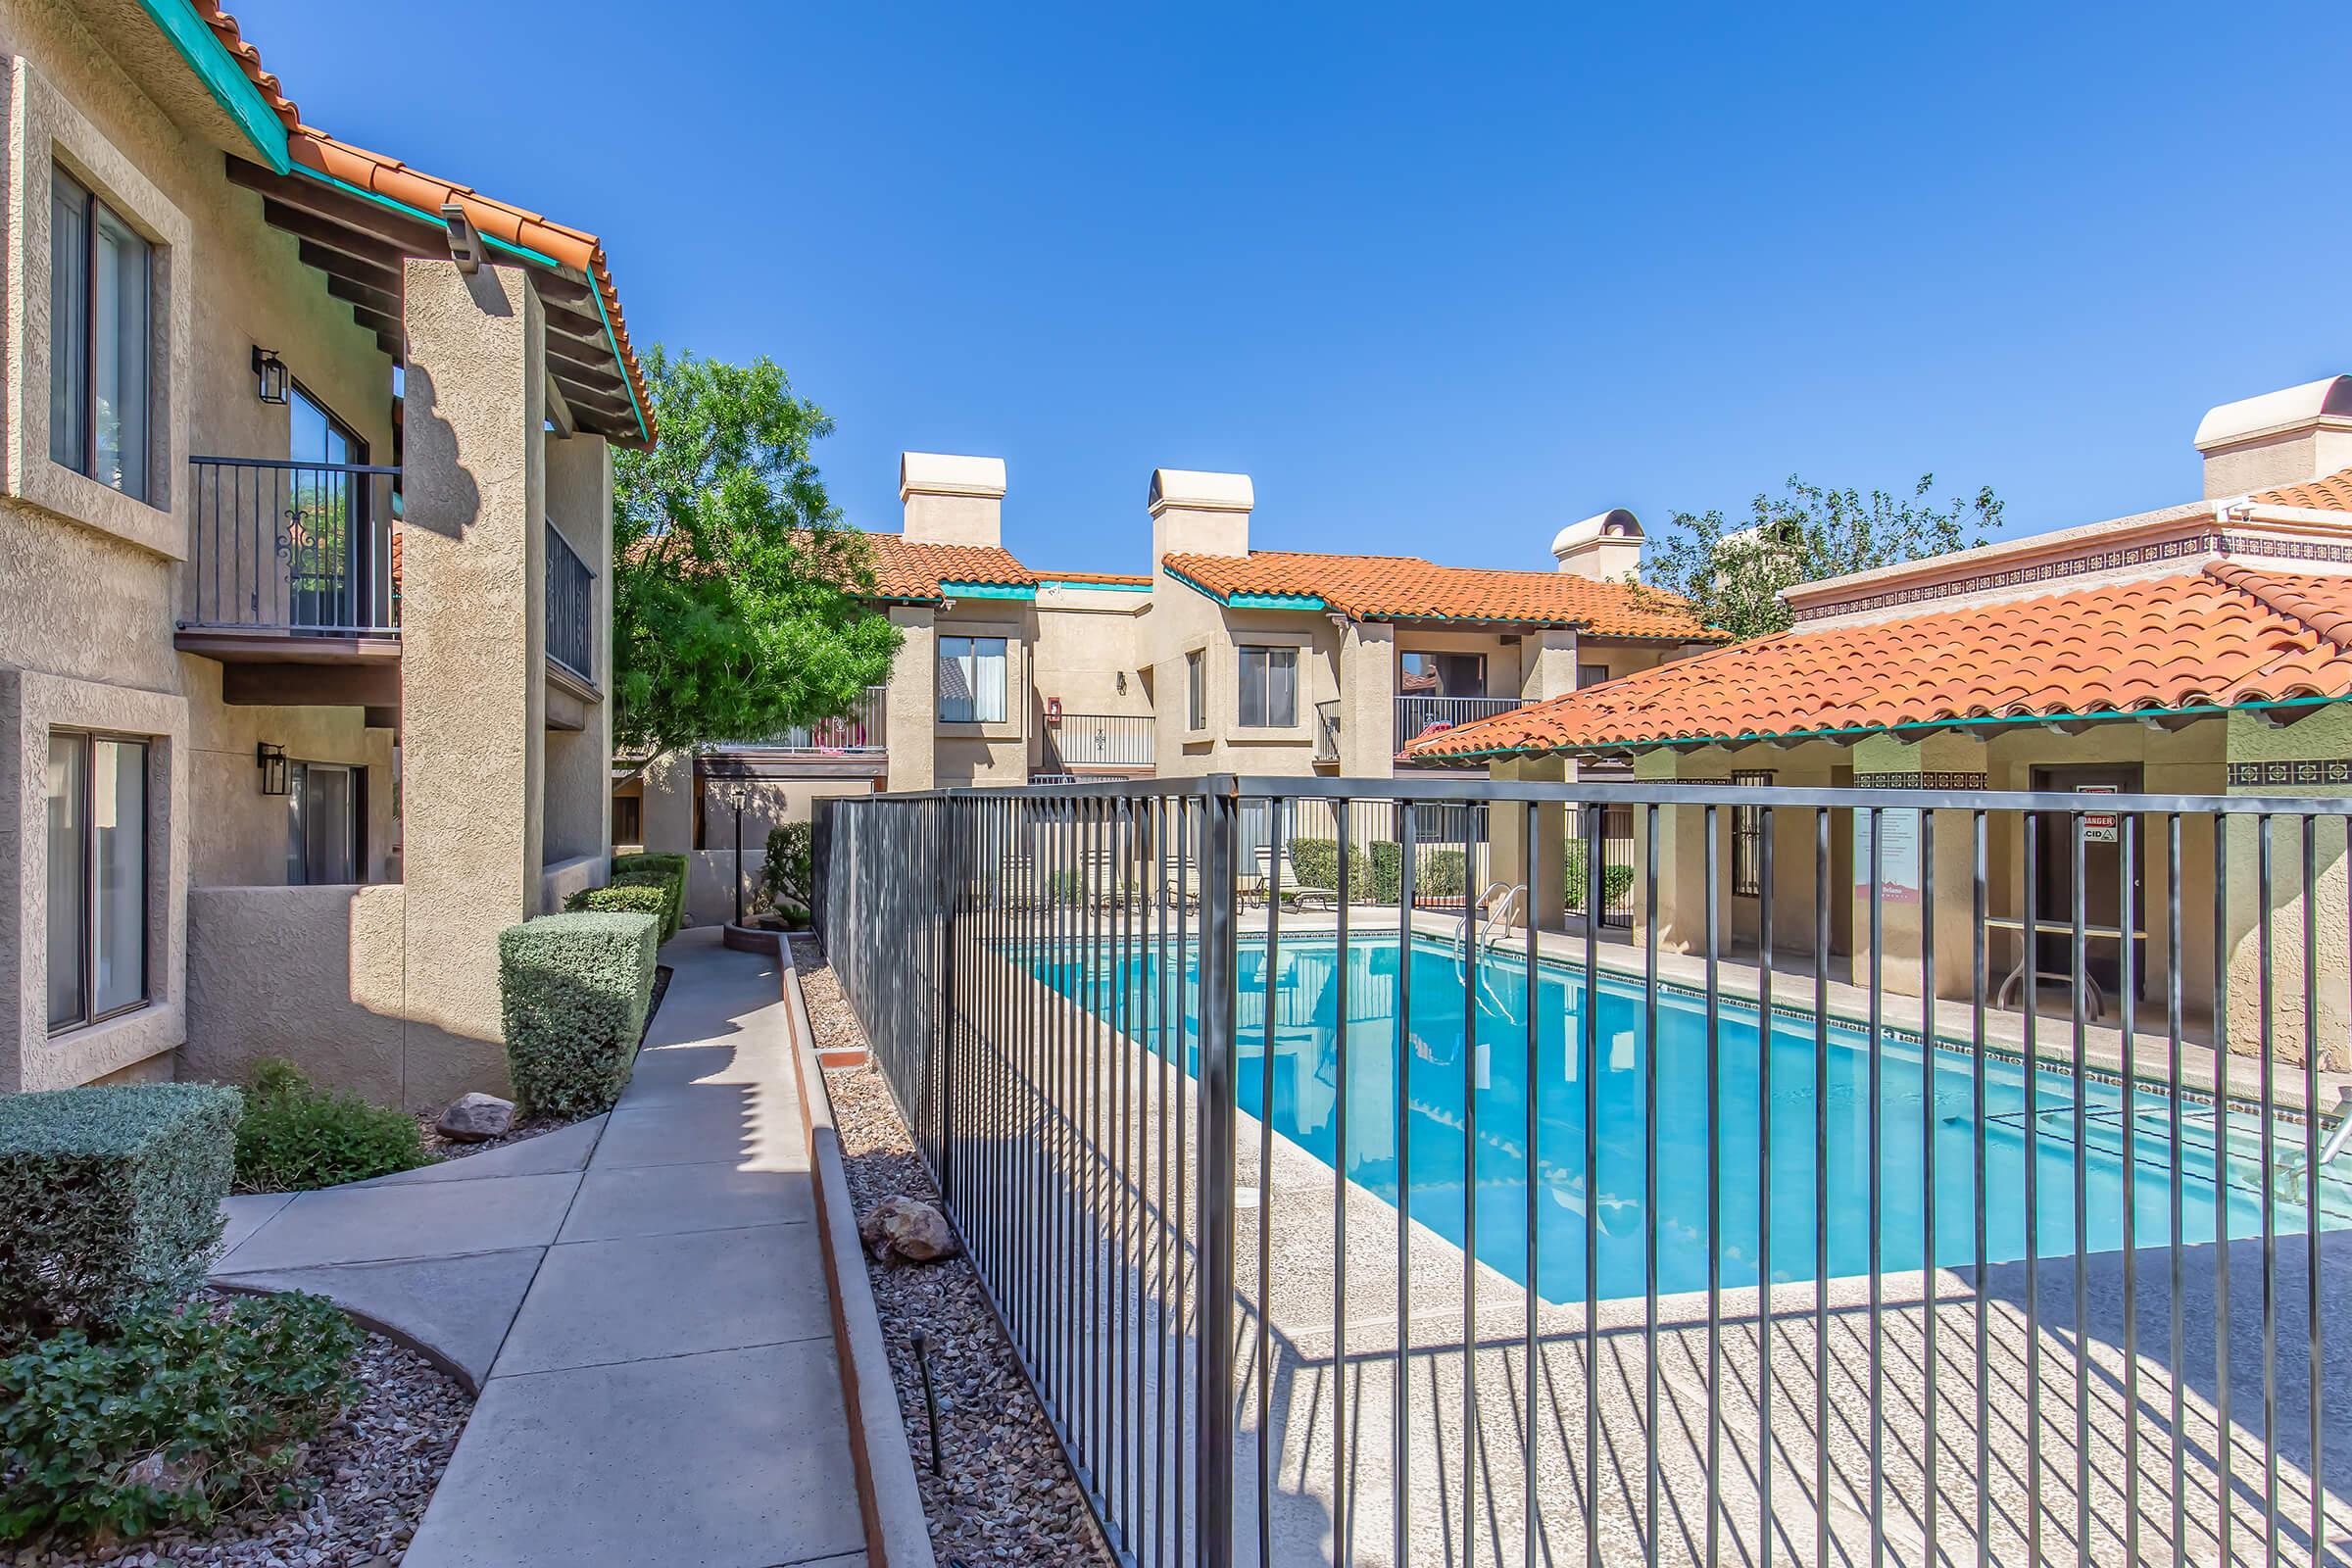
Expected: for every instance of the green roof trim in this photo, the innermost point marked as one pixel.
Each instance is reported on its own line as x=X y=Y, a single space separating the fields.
x=612 y=342
x=1746 y=736
x=224 y=78
x=1251 y=601
x=986 y=590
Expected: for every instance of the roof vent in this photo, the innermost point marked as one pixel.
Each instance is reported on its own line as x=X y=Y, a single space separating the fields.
x=2288 y=437
x=1606 y=547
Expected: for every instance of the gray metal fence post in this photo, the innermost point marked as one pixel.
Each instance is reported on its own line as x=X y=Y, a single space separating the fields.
x=947 y=884
x=1220 y=849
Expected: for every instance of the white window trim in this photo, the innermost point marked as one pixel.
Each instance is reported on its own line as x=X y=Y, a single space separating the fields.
x=1207 y=728
x=1225 y=689
x=54 y=133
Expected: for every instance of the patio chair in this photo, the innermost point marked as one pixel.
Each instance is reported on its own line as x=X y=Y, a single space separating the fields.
x=1276 y=872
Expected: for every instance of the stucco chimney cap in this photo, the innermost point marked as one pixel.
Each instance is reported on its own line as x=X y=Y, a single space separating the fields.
x=2324 y=401
x=939 y=474
x=1200 y=492
x=1614 y=524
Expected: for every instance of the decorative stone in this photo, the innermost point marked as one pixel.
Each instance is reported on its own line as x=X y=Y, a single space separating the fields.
x=909 y=1228
x=471 y=1118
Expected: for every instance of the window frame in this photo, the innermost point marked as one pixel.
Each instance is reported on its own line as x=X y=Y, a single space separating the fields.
x=86 y=949
x=1747 y=836
x=1590 y=674
x=1241 y=685
x=1196 y=691
x=972 y=639
x=84 y=344
x=298 y=802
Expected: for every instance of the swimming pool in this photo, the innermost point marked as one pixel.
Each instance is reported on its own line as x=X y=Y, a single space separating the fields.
x=1442 y=1075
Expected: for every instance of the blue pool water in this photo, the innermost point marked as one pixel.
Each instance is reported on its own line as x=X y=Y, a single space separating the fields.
x=1442 y=1073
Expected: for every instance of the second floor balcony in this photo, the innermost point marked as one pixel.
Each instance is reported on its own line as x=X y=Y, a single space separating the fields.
x=857 y=733
x=1417 y=715
x=1099 y=742
x=280 y=548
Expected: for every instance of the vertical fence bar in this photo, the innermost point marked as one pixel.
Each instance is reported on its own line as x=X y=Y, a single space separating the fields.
x=1470 y=953
x=1270 y=992
x=2311 y=1170
x=2033 y=1072
x=2267 y=948
x=1764 y=831
x=1590 y=1042
x=1980 y=893
x=1710 y=824
x=1650 y=1477
x=1219 y=959
x=1343 y=1500
x=1875 y=1179
x=1927 y=1180
x=2128 y=981
x=1533 y=1184
x=2223 y=1442
x=2079 y=884
x=2175 y=1084
x=1400 y=1448
x=1821 y=1186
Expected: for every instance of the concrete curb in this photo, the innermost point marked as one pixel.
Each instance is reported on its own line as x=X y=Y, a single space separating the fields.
x=897 y=1532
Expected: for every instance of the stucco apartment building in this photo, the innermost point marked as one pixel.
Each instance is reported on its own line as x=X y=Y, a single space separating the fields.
x=1225 y=658
x=2199 y=649
x=305 y=522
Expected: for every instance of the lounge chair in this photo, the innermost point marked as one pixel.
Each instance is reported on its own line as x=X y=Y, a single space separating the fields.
x=1275 y=871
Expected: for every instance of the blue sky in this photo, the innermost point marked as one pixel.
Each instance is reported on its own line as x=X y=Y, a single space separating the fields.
x=1440 y=278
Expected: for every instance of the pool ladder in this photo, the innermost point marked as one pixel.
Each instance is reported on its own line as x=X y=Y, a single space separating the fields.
x=1498 y=913
x=2294 y=1178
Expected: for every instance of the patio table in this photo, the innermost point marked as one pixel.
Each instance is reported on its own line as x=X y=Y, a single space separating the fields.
x=2024 y=957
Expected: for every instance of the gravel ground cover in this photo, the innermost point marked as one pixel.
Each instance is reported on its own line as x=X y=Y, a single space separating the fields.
x=1006 y=1494
x=369 y=1480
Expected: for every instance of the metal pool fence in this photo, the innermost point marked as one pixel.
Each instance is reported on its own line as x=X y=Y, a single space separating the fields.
x=1339 y=1225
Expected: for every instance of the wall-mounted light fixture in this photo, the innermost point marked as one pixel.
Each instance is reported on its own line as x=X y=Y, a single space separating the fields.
x=269 y=372
x=272 y=760
x=1122 y=683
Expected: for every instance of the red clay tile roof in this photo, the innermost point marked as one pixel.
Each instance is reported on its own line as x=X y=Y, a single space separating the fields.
x=314 y=148
x=1408 y=588
x=2332 y=493
x=909 y=569
x=2220 y=637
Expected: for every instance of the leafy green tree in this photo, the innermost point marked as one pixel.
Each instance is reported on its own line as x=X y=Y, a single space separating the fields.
x=1734 y=576
x=737 y=602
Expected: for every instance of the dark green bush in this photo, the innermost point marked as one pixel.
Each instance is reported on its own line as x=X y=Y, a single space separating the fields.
x=1615 y=880
x=664 y=871
x=295 y=1138
x=106 y=1195
x=623 y=898
x=181 y=1410
x=788 y=875
x=1317 y=862
x=1439 y=875
x=574 y=990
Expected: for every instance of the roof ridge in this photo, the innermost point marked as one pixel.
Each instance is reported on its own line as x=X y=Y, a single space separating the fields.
x=2268 y=590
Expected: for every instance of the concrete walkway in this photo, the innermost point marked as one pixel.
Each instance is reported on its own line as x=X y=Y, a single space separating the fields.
x=640 y=1301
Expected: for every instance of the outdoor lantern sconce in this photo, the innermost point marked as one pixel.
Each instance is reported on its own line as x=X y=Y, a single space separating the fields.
x=272 y=760
x=271 y=372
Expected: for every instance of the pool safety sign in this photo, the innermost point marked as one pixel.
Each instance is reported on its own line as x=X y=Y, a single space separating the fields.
x=2098 y=827
x=1899 y=854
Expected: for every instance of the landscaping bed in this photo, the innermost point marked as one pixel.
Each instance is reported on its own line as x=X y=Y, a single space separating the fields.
x=369 y=1478
x=1006 y=1495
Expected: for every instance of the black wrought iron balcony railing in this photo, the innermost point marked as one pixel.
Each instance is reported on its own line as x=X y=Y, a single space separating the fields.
x=1102 y=740
x=1418 y=716
x=286 y=546
x=1327 y=733
x=857 y=730
x=570 y=608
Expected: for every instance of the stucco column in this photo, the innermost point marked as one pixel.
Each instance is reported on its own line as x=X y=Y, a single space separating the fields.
x=1367 y=700
x=2311 y=757
x=1681 y=867
x=910 y=725
x=1541 y=867
x=1940 y=761
x=473 y=658
x=1546 y=664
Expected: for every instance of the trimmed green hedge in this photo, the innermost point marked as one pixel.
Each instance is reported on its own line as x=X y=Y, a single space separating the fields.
x=574 y=990
x=627 y=898
x=107 y=1194
x=179 y=1411
x=664 y=871
x=1616 y=881
x=295 y=1138
x=1375 y=871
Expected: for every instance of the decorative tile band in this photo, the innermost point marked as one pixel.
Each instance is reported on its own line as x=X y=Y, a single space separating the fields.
x=2204 y=543
x=2292 y=774
x=1918 y=781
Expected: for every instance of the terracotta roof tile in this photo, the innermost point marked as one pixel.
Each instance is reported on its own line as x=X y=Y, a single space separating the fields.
x=910 y=569
x=2332 y=493
x=1408 y=588
x=2220 y=637
x=387 y=176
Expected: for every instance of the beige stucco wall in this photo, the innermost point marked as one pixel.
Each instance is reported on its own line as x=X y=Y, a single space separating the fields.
x=243 y=838
x=772 y=803
x=315 y=974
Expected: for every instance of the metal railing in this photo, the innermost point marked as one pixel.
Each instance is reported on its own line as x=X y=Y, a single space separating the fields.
x=1327 y=733
x=860 y=729
x=1870 y=1284
x=1102 y=740
x=571 y=607
x=275 y=545
x=1416 y=715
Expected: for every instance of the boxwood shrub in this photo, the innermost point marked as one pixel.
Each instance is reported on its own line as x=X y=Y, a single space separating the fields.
x=627 y=897
x=572 y=993
x=178 y=1411
x=108 y=1194
x=664 y=871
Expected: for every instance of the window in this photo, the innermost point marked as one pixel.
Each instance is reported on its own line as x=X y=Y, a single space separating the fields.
x=1196 y=689
x=971 y=680
x=327 y=539
x=326 y=824
x=98 y=392
x=1441 y=675
x=628 y=817
x=1269 y=688
x=1748 y=840
x=1590 y=675
x=97 y=877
